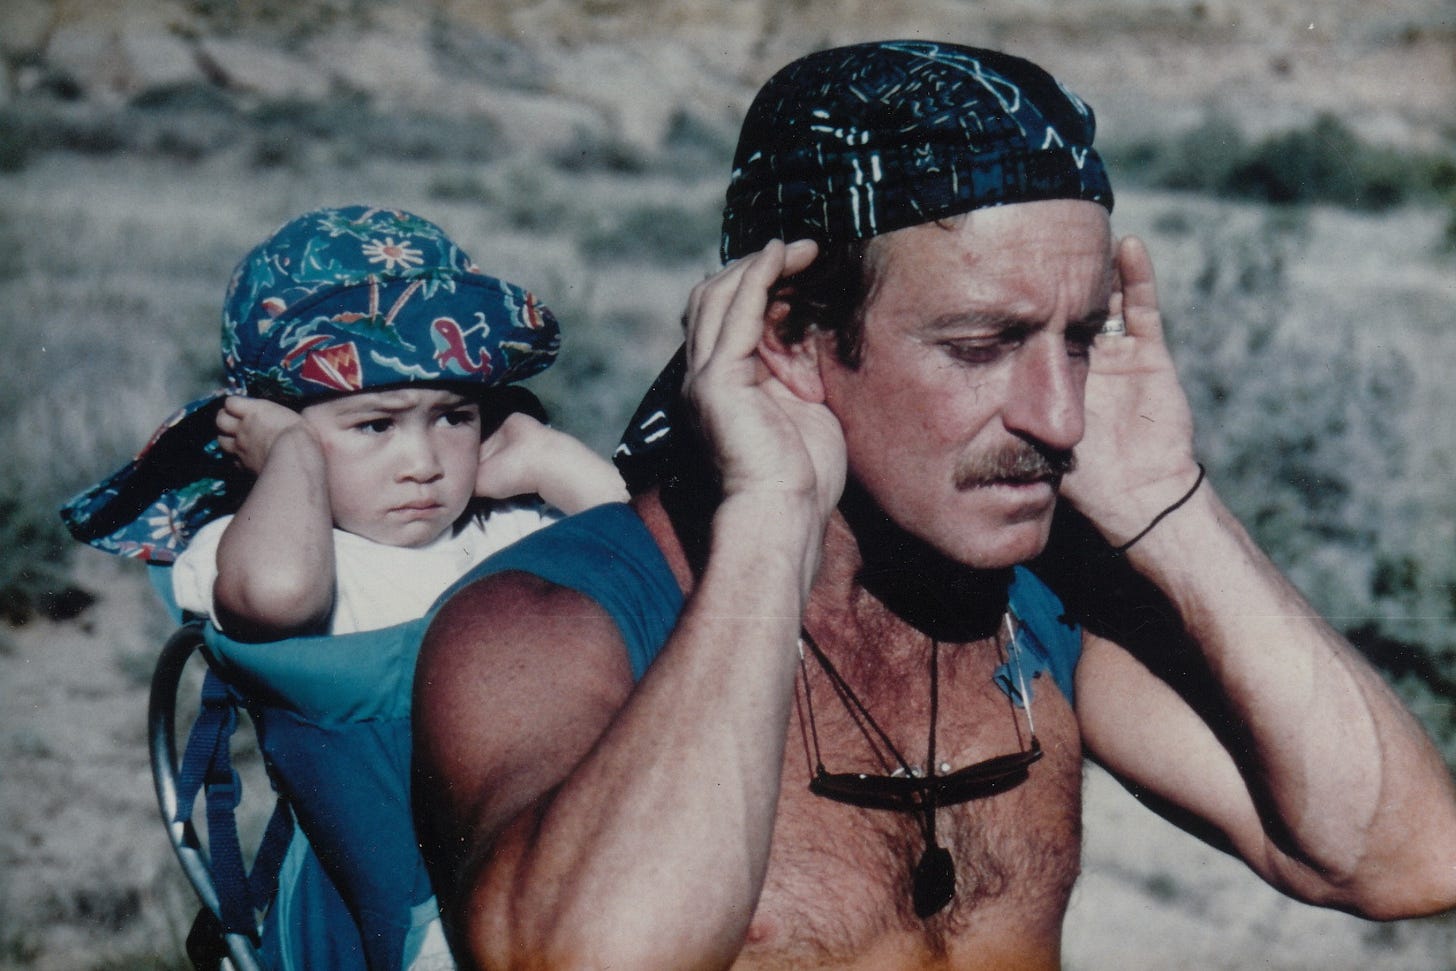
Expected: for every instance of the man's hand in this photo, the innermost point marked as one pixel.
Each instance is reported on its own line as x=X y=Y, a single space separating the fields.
x=1136 y=456
x=248 y=428
x=764 y=438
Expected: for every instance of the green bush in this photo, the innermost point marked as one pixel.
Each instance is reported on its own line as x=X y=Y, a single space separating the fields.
x=695 y=147
x=660 y=234
x=596 y=153
x=1197 y=160
x=530 y=198
x=184 y=97
x=1302 y=430
x=191 y=121
x=352 y=128
x=14 y=141
x=34 y=558
x=1323 y=163
x=294 y=23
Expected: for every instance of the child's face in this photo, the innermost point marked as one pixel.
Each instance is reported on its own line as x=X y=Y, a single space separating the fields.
x=401 y=463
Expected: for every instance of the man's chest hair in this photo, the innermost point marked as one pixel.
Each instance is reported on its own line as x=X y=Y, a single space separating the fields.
x=842 y=873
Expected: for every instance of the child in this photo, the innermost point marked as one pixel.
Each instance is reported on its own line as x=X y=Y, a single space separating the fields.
x=368 y=363
x=334 y=488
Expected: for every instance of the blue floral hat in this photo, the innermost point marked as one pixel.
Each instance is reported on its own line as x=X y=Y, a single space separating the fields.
x=335 y=302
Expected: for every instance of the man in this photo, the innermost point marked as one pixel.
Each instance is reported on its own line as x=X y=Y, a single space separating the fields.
x=883 y=420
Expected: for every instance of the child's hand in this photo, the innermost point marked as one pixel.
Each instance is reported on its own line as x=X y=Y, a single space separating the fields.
x=249 y=427
x=512 y=458
x=524 y=456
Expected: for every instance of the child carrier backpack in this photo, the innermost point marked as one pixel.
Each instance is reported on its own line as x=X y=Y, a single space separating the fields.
x=337 y=881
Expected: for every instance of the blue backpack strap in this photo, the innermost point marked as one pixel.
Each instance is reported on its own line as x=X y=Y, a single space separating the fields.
x=334 y=725
x=607 y=554
x=1050 y=641
x=206 y=768
x=268 y=861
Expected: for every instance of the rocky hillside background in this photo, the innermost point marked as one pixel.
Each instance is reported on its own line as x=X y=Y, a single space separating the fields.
x=1292 y=165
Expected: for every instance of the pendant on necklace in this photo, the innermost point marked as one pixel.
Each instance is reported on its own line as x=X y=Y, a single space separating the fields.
x=933 y=881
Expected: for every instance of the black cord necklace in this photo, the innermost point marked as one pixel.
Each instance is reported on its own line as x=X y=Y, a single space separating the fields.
x=933 y=877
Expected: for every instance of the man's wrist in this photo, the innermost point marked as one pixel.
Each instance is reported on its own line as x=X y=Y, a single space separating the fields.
x=1190 y=522
x=786 y=508
x=1167 y=511
x=781 y=531
x=1122 y=513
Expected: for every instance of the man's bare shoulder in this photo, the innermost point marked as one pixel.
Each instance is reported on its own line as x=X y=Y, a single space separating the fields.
x=516 y=678
x=520 y=619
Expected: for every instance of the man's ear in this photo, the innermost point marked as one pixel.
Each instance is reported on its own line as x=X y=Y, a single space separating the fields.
x=795 y=365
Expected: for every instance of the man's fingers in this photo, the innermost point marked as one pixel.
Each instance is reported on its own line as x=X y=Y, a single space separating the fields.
x=1136 y=298
x=725 y=313
x=798 y=255
x=707 y=308
x=743 y=323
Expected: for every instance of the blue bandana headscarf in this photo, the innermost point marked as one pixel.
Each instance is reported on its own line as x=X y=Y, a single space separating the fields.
x=857 y=141
x=336 y=301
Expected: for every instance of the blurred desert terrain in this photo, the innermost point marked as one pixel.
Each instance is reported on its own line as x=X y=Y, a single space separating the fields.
x=580 y=147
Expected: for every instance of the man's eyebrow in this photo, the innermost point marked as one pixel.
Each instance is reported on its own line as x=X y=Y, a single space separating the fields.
x=998 y=321
x=974 y=320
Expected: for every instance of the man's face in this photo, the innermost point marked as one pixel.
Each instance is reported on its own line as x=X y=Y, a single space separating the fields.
x=970 y=390
x=401 y=463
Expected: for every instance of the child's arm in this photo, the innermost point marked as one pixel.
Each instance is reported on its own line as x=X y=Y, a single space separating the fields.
x=524 y=456
x=275 y=564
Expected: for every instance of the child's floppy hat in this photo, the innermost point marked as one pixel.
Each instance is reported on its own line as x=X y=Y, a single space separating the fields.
x=336 y=301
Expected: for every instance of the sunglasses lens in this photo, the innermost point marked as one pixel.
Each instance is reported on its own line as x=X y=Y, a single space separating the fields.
x=908 y=793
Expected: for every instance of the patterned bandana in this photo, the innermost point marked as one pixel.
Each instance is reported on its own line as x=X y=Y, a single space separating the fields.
x=857 y=141
x=862 y=140
x=336 y=301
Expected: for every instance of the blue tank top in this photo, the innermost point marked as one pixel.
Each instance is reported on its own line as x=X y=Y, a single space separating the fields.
x=608 y=555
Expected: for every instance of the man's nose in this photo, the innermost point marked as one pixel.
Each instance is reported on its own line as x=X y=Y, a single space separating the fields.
x=1046 y=399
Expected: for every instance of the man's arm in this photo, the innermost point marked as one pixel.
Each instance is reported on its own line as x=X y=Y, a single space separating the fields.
x=275 y=563
x=579 y=819
x=1315 y=775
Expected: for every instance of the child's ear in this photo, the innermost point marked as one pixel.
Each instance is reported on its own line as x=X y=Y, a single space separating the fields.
x=795 y=365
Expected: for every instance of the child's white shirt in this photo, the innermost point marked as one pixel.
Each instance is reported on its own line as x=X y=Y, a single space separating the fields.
x=375 y=585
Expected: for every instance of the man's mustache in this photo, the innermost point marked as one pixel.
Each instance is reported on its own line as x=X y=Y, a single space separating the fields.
x=1015 y=462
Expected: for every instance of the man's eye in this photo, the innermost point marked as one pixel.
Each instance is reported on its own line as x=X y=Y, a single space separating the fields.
x=987 y=350
x=375 y=426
